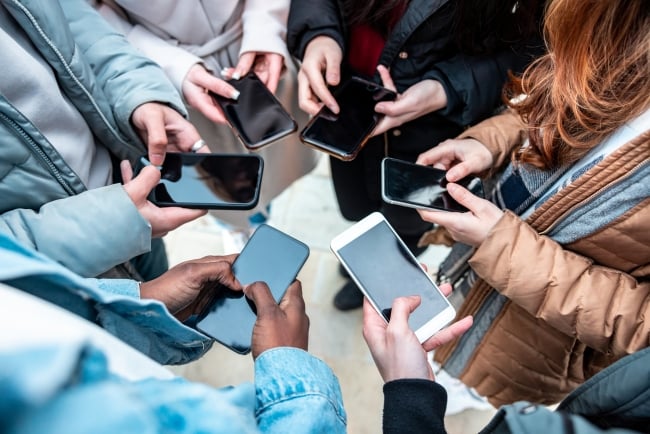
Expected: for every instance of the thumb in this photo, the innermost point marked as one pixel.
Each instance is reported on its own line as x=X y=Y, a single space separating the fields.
x=244 y=65
x=463 y=196
x=332 y=69
x=146 y=180
x=261 y=295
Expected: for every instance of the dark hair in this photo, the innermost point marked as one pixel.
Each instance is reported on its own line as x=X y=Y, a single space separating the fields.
x=478 y=25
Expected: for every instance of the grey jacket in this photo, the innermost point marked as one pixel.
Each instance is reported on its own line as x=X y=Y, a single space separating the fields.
x=106 y=79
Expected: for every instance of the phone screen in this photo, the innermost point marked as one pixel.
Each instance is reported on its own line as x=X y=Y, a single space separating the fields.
x=419 y=186
x=269 y=256
x=207 y=181
x=343 y=134
x=257 y=116
x=382 y=265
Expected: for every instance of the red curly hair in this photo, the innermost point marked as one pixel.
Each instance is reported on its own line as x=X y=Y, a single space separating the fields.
x=594 y=78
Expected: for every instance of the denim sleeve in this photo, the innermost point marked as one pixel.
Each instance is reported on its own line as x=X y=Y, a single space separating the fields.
x=127 y=287
x=297 y=393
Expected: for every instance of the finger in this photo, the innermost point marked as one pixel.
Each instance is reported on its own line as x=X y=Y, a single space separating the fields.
x=306 y=99
x=126 y=171
x=386 y=79
x=464 y=197
x=446 y=289
x=209 y=109
x=276 y=62
x=293 y=297
x=261 y=295
x=146 y=180
x=458 y=172
x=448 y=334
x=156 y=137
x=244 y=65
x=402 y=309
x=438 y=154
x=374 y=325
x=320 y=89
x=216 y=85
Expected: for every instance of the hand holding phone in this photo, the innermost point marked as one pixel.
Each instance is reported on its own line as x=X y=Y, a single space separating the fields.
x=256 y=116
x=384 y=269
x=343 y=135
x=424 y=187
x=269 y=256
x=207 y=181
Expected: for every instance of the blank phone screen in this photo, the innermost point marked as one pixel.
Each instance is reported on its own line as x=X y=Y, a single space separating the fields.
x=422 y=186
x=269 y=256
x=257 y=115
x=210 y=181
x=346 y=131
x=386 y=270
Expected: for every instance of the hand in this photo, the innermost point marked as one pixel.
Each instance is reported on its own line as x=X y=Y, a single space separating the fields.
x=322 y=54
x=162 y=220
x=278 y=325
x=459 y=157
x=267 y=66
x=470 y=227
x=195 y=86
x=423 y=97
x=188 y=287
x=163 y=129
x=395 y=348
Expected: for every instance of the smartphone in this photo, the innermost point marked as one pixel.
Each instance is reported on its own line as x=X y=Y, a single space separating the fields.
x=269 y=256
x=207 y=181
x=343 y=135
x=256 y=117
x=417 y=186
x=384 y=269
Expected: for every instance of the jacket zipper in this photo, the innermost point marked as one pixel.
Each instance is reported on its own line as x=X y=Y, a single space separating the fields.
x=43 y=155
x=69 y=71
x=561 y=218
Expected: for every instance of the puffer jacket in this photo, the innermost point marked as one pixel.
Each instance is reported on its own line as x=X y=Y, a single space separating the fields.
x=106 y=80
x=572 y=307
x=420 y=47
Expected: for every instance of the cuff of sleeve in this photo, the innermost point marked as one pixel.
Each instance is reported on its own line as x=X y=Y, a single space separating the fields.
x=283 y=373
x=420 y=403
x=263 y=33
x=126 y=287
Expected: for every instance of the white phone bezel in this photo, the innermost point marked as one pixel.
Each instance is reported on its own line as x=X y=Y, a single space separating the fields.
x=428 y=329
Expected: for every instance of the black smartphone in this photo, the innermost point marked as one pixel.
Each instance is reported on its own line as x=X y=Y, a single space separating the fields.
x=256 y=117
x=207 y=181
x=343 y=135
x=417 y=186
x=269 y=256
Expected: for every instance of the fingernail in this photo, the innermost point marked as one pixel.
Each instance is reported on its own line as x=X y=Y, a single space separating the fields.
x=224 y=72
x=235 y=95
x=452 y=188
x=146 y=162
x=236 y=75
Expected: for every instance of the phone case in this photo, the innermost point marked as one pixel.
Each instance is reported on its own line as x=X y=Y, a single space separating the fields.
x=367 y=93
x=257 y=117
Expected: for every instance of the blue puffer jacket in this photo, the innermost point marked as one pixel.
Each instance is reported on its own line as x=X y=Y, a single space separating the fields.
x=106 y=79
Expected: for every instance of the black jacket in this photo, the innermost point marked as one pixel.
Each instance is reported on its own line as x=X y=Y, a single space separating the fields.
x=421 y=46
x=616 y=397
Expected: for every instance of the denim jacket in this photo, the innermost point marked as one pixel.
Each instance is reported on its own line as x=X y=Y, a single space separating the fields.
x=114 y=304
x=68 y=389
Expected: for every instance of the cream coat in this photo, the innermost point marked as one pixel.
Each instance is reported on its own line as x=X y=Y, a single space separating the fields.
x=177 y=34
x=573 y=309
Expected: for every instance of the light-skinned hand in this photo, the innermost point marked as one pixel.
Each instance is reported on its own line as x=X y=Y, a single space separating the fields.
x=162 y=220
x=163 y=129
x=195 y=86
x=267 y=66
x=278 y=325
x=189 y=286
x=423 y=97
x=395 y=348
x=321 y=66
x=470 y=227
x=459 y=157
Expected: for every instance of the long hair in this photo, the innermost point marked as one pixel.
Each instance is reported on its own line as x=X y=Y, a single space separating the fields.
x=595 y=77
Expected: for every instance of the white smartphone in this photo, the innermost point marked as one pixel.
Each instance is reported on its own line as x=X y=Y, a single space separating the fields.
x=384 y=269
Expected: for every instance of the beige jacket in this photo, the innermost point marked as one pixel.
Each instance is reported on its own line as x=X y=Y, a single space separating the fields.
x=573 y=309
x=177 y=34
